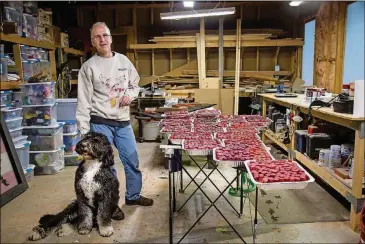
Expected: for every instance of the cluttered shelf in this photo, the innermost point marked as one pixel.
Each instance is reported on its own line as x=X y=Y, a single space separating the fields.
x=14 y=38
x=9 y=85
x=271 y=135
x=343 y=186
x=73 y=51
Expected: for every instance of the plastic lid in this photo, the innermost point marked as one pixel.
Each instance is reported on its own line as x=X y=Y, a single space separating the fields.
x=68 y=122
x=22 y=145
x=52 y=151
x=42 y=105
x=19 y=138
x=15 y=119
x=20 y=128
x=66 y=100
x=38 y=83
x=10 y=109
x=71 y=134
x=53 y=126
x=6 y=92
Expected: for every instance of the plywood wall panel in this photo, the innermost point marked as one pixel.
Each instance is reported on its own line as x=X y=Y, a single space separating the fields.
x=144 y=63
x=229 y=59
x=107 y=16
x=249 y=59
x=266 y=58
x=212 y=59
x=178 y=58
x=284 y=58
x=125 y=16
x=162 y=62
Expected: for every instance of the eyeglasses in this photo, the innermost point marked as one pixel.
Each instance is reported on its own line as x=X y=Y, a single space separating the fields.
x=98 y=37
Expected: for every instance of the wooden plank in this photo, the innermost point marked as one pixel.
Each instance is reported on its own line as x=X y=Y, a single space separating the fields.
x=9 y=85
x=340 y=53
x=257 y=59
x=170 y=59
x=276 y=56
x=135 y=24
x=136 y=58
x=299 y=62
x=247 y=43
x=187 y=55
x=18 y=60
x=25 y=41
x=153 y=62
x=358 y=170
x=227 y=101
x=202 y=53
x=237 y=73
x=73 y=51
x=334 y=182
x=52 y=59
x=231 y=73
x=151 y=16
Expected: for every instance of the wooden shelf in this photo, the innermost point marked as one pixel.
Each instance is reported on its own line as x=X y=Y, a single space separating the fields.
x=13 y=38
x=9 y=85
x=327 y=174
x=271 y=135
x=74 y=82
x=73 y=51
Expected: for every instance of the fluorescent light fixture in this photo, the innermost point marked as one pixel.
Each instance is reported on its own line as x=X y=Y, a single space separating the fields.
x=295 y=3
x=188 y=4
x=198 y=13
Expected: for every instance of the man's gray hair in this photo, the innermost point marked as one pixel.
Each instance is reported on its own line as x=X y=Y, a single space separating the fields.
x=98 y=24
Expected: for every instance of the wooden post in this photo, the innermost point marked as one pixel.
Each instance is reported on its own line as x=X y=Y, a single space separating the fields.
x=341 y=28
x=52 y=59
x=299 y=62
x=170 y=59
x=257 y=59
x=153 y=61
x=18 y=61
x=358 y=174
x=264 y=105
x=136 y=58
x=220 y=60
x=276 y=56
x=199 y=59
x=202 y=52
x=187 y=55
x=237 y=74
x=241 y=64
x=135 y=24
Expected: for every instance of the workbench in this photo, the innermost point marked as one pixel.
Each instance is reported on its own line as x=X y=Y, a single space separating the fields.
x=350 y=189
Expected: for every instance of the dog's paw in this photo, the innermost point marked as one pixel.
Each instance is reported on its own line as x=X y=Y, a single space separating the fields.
x=65 y=230
x=106 y=231
x=34 y=236
x=84 y=231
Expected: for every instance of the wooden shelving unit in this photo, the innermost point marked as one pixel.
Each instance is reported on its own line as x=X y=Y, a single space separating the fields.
x=73 y=51
x=271 y=135
x=9 y=85
x=351 y=189
x=13 y=38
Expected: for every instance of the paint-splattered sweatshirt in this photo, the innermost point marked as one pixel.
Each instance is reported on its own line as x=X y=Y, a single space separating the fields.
x=101 y=84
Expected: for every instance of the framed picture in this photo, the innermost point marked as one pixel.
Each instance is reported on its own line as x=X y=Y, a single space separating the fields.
x=12 y=179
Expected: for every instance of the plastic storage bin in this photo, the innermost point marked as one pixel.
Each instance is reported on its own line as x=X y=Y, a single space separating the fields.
x=66 y=109
x=44 y=138
x=14 y=133
x=29 y=172
x=16 y=95
x=70 y=140
x=30 y=7
x=45 y=66
x=14 y=123
x=22 y=149
x=28 y=67
x=38 y=93
x=13 y=15
x=11 y=112
x=20 y=139
x=18 y=5
x=44 y=115
x=69 y=127
x=3 y=69
x=72 y=160
x=30 y=26
x=47 y=162
x=6 y=97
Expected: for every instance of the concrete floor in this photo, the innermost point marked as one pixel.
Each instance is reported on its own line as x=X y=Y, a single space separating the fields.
x=50 y=194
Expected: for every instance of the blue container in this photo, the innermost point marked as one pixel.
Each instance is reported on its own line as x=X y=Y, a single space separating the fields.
x=300 y=140
x=70 y=140
x=69 y=127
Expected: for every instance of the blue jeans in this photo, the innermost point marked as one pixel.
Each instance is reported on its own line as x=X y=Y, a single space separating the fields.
x=123 y=139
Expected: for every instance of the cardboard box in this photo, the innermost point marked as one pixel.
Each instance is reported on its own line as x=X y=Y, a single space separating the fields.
x=47 y=37
x=64 y=40
x=56 y=35
x=44 y=18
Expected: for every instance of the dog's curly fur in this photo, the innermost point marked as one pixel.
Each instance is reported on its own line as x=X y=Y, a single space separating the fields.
x=97 y=193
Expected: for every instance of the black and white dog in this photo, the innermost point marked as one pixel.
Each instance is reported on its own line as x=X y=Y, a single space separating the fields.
x=97 y=193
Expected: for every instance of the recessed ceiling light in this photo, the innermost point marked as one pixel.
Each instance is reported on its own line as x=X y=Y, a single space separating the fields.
x=188 y=4
x=295 y=3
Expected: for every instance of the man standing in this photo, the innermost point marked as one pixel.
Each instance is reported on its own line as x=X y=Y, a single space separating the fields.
x=107 y=84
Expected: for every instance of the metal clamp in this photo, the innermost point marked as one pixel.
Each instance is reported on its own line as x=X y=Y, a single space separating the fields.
x=356 y=202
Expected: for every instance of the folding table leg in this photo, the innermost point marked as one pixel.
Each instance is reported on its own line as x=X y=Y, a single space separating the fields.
x=173 y=193
x=200 y=170
x=211 y=205
x=181 y=182
x=241 y=197
x=255 y=220
x=216 y=168
x=171 y=214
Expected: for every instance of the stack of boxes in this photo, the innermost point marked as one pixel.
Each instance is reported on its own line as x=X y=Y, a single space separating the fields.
x=45 y=26
x=66 y=113
x=20 y=17
x=41 y=126
x=13 y=119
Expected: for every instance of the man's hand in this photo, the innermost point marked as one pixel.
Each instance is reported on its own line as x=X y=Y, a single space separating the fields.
x=125 y=101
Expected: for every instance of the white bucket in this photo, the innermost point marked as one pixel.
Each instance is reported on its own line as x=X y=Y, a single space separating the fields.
x=150 y=130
